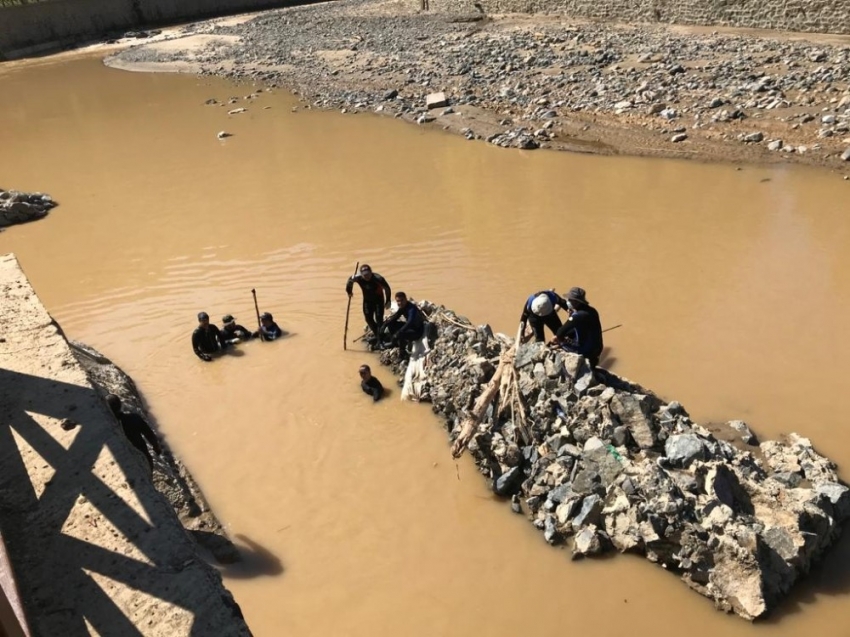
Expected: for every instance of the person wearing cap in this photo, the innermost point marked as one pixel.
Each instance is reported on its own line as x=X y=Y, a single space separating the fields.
x=376 y=295
x=582 y=332
x=541 y=309
x=405 y=325
x=135 y=428
x=269 y=330
x=206 y=339
x=232 y=332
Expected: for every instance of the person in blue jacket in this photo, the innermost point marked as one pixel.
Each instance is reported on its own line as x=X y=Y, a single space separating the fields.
x=406 y=324
x=541 y=309
x=269 y=330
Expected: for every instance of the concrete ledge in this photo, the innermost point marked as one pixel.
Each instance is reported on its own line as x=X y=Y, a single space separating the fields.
x=95 y=548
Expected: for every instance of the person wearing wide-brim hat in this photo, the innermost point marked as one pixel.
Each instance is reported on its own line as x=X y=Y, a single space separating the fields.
x=541 y=309
x=232 y=332
x=582 y=331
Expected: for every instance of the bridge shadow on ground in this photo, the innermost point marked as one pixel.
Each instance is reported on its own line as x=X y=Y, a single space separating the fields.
x=91 y=542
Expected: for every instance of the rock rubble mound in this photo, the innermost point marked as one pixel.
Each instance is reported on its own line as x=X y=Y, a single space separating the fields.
x=20 y=207
x=602 y=464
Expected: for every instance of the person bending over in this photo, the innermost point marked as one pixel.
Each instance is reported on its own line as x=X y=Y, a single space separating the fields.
x=540 y=310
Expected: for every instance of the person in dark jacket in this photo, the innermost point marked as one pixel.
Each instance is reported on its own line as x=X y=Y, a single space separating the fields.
x=582 y=333
x=135 y=428
x=269 y=330
x=369 y=384
x=376 y=295
x=405 y=325
x=541 y=309
x=232 y=332
x=206 y=339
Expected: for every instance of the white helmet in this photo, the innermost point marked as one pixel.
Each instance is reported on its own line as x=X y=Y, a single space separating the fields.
x=541 y=305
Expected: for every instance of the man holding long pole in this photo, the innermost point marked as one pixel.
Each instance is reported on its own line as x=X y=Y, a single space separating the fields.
x=376 y=296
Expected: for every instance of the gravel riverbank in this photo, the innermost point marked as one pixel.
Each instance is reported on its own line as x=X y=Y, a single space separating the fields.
x=531 y=81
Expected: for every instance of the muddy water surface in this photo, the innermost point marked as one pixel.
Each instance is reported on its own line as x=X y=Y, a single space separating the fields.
x=732 y=288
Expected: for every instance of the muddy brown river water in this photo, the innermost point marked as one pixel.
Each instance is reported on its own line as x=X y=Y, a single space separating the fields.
x=732 y=287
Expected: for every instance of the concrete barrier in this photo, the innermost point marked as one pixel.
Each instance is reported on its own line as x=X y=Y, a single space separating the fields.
x=94 y=547
x=53 y=24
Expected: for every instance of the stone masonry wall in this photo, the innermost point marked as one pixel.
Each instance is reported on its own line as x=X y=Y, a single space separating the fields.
x=825 y=16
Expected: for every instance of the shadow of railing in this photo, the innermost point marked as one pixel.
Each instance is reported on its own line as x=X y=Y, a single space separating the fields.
x=68 y=565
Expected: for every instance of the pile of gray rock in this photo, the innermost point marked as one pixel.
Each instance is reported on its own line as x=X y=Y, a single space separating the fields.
x=20 y=207
x=608 y=466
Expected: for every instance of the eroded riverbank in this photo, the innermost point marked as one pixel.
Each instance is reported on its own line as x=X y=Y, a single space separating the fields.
x=545 y=81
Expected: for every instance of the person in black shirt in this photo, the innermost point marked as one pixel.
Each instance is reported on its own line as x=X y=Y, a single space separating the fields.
x=206 y=339
x=232 y=332
x=369 y=384
x=406 y=331
x=269 y=330
x=135 y=428
x=582 y=333
x=376 y=295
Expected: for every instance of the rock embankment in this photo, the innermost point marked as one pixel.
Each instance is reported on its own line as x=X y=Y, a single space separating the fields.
x=602 y=464
x=20 y=207
x=550 y=81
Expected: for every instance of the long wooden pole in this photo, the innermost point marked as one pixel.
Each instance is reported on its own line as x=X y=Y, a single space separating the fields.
x=347 y=310
x=257 y=310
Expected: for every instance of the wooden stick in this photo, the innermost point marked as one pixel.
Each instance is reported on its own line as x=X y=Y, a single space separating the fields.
x=471 y=422
x=612 y=328
x=347 y=310
x=257 y=310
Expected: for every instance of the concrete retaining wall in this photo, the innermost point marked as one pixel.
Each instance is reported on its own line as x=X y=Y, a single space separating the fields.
x=824 y=16
x=29 y=28
x=94 y=547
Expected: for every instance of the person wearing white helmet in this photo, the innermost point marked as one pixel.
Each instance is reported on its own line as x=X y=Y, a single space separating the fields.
x=541 y=309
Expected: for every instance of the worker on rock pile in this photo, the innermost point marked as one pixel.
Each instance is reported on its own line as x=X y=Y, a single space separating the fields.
x=541 y=309
x=207 y=338
x=582 y=332
x=376 y=298
x=405 y=325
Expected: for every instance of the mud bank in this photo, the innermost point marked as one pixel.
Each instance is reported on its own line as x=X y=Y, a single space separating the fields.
x=602 y=464
x=93 y=544
x=545 y=81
